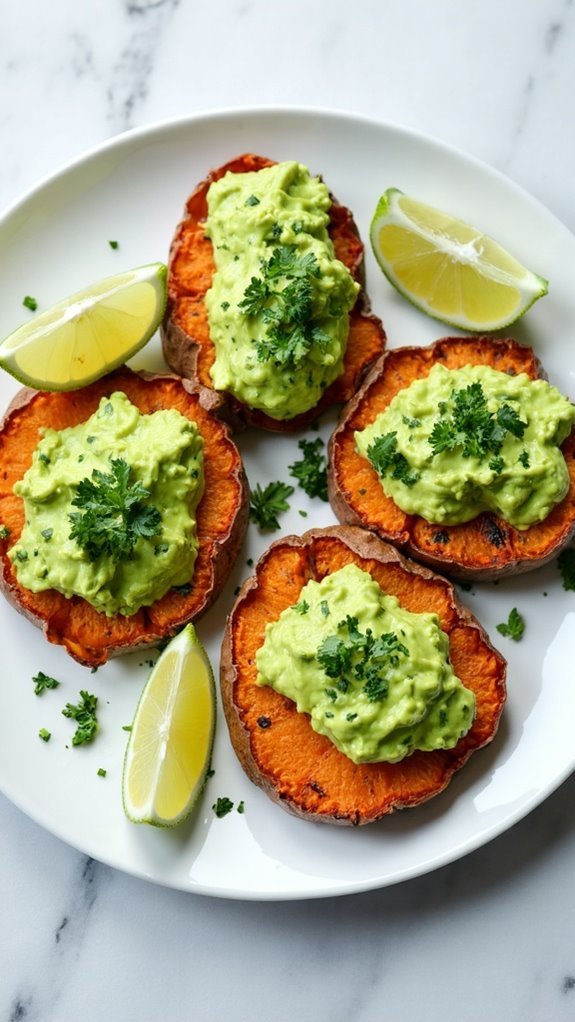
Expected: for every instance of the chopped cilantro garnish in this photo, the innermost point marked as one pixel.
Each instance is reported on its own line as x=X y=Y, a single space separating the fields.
x=302 y=607
x=114 y=244
x=240 y=807
x=30 y=303
x=252 y=200
x=44 y=734
x=222 y=806
x=85 y=716
x=42 y=682
x=113 y=516
x=514 y=627
x=266 y=503
x=47 y=534
x=360 y=656
x=102 y=772
x=4 y=532
x=311 y=470
x=324 y=607
x=566 y=565
x=287 y=312
x=497 y=464
x=524 y=459
x=472 y=426
x=385 y=457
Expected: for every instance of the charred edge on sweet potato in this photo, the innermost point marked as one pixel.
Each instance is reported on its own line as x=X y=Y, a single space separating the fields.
x=301 y=770
x=88 y=635
x=483 y=549
x=188 y=348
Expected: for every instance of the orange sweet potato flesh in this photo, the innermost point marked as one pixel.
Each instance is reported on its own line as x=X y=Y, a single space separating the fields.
x=301 y=770
x=187 y=344
x=483 y=549
x=87 y=634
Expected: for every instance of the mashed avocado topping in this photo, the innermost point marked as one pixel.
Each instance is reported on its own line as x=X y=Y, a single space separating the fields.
x=110 y=507
x=375 y=678
x=279 y=302
x=459 y=442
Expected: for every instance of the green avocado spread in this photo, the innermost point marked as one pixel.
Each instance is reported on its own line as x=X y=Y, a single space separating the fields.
x=111 y=507
x=374 y=677
x=459 y=442
x=279 y=304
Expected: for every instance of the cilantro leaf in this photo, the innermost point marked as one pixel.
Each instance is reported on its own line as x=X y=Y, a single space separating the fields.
x=384 y=456
x=361 y=656
x=509 y=419
x=334 y=655
x=302 y=607
x=473 y=427
x=286 y=311
x=222 y=806
x=42 y=682
x=311 y=471
x=266 y=503
x=514 y=627
x=85 y=716
x=113 y=516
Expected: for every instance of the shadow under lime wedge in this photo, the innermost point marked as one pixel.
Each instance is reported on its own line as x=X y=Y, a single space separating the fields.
x=90 y=333
x=449 y=269
x=170 y=745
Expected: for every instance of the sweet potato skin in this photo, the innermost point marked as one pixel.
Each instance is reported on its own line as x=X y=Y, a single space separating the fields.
x=185 y=331
x=484 y=549
x=89 y=636
x=301 y=770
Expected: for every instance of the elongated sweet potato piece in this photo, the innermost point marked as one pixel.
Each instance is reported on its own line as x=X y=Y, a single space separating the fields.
x=302 y=770
x=87 y=634
x=483 y=549
x=185 y=332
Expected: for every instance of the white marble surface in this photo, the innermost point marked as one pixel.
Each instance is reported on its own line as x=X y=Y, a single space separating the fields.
x=491 y=936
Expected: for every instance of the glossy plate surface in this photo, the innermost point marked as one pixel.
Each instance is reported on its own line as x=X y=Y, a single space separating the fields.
x=55 y=241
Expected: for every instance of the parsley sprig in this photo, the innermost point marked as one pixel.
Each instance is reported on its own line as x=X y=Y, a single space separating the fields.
x=358 y=655
x=385 y=458
x=311 y=470
x=287 y=311
x=112 y=516
x=473 y=427
x=85 y=716
x=266 y=503
x=514 y=627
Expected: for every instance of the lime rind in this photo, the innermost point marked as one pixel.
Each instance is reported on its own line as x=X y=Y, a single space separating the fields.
x=42 y=329
x=530 y=286
x=184 y=646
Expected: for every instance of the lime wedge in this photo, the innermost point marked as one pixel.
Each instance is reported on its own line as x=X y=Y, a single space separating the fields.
x=449 y=269
x=170 y=745
x=87 y=335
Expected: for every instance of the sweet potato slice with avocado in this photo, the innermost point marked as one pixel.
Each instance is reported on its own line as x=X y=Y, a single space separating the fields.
x=187 y=344
x=486 y=547
x=87 y=634
x=302 y=770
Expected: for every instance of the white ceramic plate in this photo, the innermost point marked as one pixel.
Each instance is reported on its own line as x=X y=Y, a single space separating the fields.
x=53 y=242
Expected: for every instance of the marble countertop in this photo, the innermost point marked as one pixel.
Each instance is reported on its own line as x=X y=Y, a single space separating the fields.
x=489 y=936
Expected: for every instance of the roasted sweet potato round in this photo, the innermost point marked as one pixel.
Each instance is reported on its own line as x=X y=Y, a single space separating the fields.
x=486 y=547
x=188 y=348
x=88 y=635
x=301 y=769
